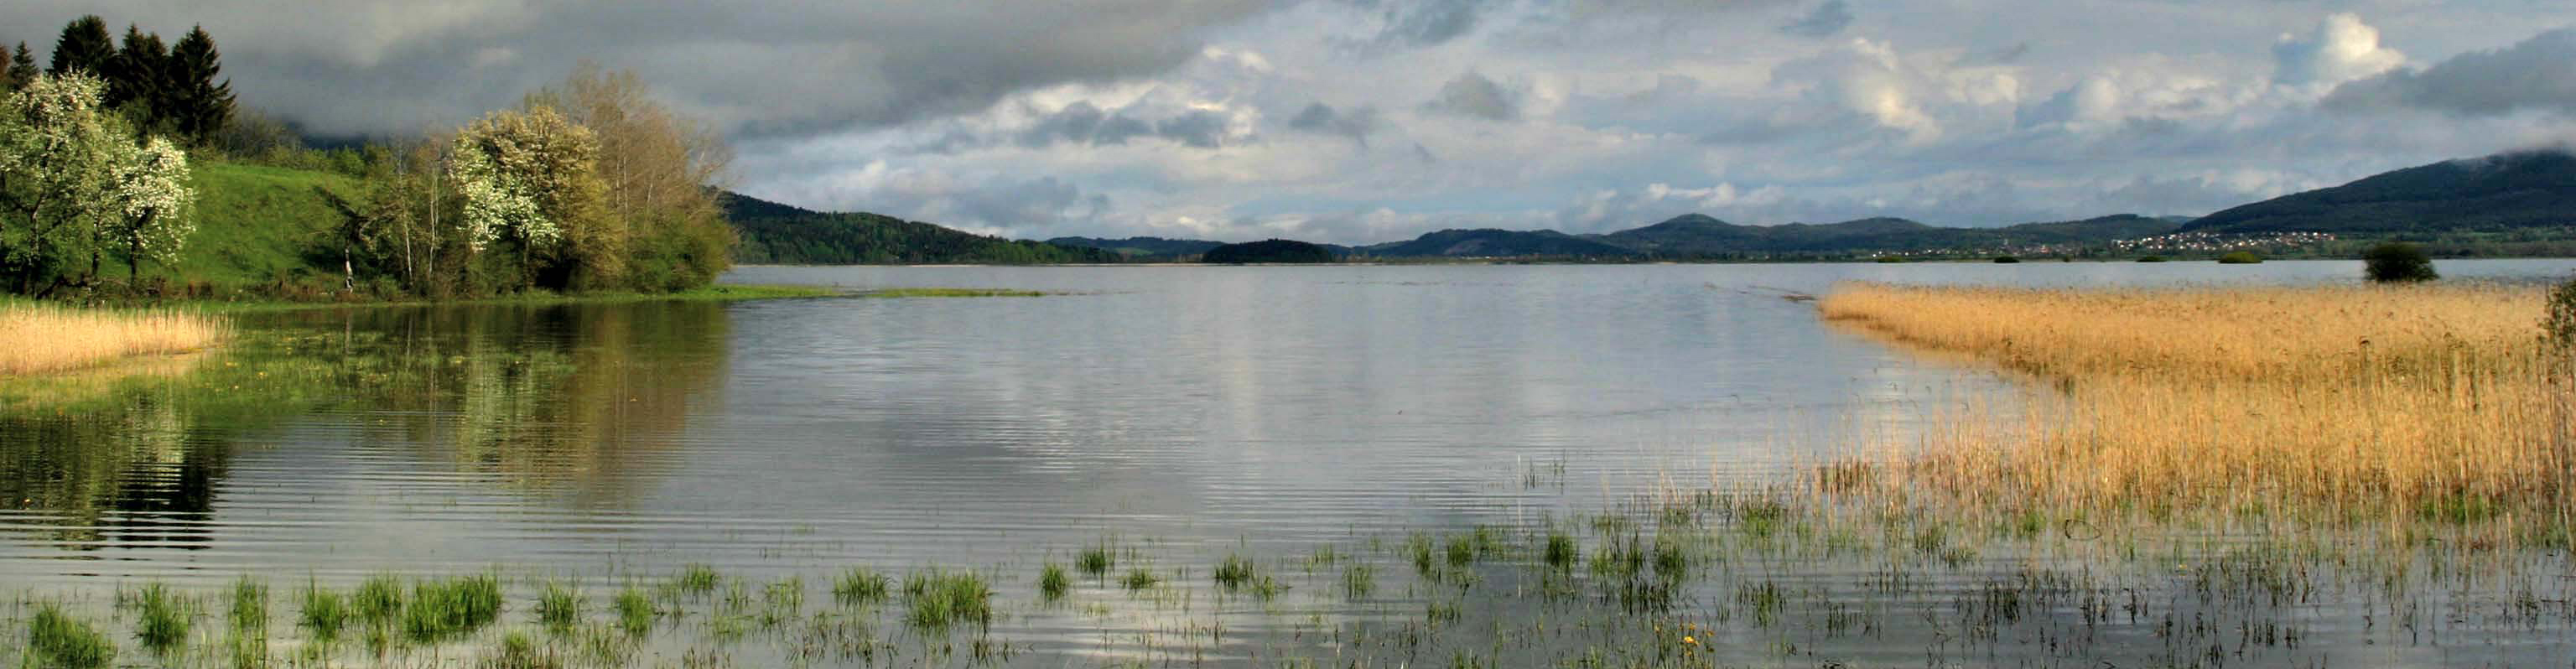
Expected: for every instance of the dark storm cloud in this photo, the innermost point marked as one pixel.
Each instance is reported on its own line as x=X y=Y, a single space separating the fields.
x=1083 y=123
x=1197 y=128
x=1827 y=19
x=757 y=67
x=1355 y=124
x=1473 y=95
x=2536 y=74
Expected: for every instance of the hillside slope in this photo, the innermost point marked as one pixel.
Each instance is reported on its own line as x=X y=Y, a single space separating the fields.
x=1492 y=243
x=778 y=233
x=255 y=222
x=2533 y=189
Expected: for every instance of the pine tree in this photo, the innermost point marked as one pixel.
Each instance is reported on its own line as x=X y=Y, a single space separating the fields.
x=200 y=106
x=84 y=46
x=22 y=68
x=135 y=75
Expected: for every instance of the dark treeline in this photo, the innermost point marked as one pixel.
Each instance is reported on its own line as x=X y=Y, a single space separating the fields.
x=1268 y=251
x=863 y=238
x=161 y=89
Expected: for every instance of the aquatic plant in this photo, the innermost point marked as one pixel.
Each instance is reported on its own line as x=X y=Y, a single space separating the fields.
x=40 y=338
x=1358 y=581
x=859 y=586
x=162 y=619
x=1052 y=582
x=1561 y=552
x=55 y=639
x=939 y=599
x=635 y=611
x=1234 y=572
x=379 y=599
x=558 y=607
x=1095 y=561
x=443 y=609
x=249 y=610
x=1139 y=579
x=323 y=613
x=696 y=580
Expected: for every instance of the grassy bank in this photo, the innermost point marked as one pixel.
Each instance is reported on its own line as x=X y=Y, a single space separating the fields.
x=43 y=339
x=2415 y=407
x=713 y=293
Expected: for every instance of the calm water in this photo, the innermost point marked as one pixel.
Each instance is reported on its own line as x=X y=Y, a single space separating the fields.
x=1188 y=408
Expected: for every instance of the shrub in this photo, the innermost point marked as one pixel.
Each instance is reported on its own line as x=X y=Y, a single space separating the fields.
x=2398 y=262
x=2006 y=260
x=2239 y=258
x=2561 y=323
x=2151 y=258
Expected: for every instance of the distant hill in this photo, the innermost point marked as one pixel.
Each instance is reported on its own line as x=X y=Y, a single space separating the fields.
x=778 y=233
x=1141 y=247
x=2532 y=189
x=1491 y=243
x=1269 y=251
x=2120 y=226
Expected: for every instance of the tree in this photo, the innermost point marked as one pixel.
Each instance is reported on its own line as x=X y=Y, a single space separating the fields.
x=199 y=107
x=152 y=220
x=661 y=173
x=68 y=172
x=84 y=47
x=22 y=68
x=2398 y=262
x=528 y=183
x=135 y=76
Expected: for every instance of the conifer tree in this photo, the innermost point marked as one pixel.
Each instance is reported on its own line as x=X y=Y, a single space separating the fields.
x=84 y=46
x=22 y=68
x=200 y=105
x=136 y=74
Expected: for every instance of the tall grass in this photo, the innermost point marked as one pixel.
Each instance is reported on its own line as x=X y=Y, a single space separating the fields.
x=2390 y=402
x=41 y=338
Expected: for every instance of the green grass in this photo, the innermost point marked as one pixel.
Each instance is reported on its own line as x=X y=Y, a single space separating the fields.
x=696 y=580
x=162 y=619
x=1095 y=561
x=249 y=604
x=558 y=607
x=1052 y=582
x=379 y=599
x=1358 y=581
x=1234 y=572
x=635 y=612
x=253 y=222
x=445 y=609
x=941 y=599
x=1139 y=579
x=55 y=639
x=324 y=613
x=952 y=292
x=859 y=586
x=1562 y=553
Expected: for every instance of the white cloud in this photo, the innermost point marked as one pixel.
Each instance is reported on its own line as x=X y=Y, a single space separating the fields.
x=2339 y=49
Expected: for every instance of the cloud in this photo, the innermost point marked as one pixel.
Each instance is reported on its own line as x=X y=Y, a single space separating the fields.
x=1827 y=19
x=1355 y=124
x=2537 y=74
x=763 y=67
x=2341 y=48
x=1473 y=95
x=1429 y=22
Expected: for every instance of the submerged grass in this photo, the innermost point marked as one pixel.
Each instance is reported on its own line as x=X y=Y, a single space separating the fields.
x=162 y=619
x=859 y=586
x=447 y=608
x=940 y=599
x=2395 y=403
x=42 y=338
x=56 y=639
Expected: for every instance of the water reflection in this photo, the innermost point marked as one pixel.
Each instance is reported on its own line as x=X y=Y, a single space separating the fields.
x=572 y=402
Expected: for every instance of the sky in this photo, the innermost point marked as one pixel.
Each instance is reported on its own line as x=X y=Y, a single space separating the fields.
x=1356 y=121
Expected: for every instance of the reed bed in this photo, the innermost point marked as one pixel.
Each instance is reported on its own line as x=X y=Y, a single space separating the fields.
x=40 y=339
x=2343 y=404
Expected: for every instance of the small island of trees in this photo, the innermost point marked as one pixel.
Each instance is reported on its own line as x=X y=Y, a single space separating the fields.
x=1268 y=251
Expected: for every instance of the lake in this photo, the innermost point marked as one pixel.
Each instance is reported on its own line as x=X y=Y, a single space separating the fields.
x=1183 y=412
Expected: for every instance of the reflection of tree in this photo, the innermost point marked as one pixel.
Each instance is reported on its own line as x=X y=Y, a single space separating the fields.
x=579 y=400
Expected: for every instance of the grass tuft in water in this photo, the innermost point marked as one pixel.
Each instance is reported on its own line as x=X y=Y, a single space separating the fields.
x=518 y=651
x=55 y=639
x=442 y=610
x=1139 y=579
x=635 y=611
x=940 y=599
x=558 y=608
x=696 y=579
x=859 y=586
x=1562 y=553
x=1052 y=582
x=379 y=599
x=1358 y=581
x=249 y=611
x=324 y=613
x=162 y=620
x=1234 y=572
x=1095 y=561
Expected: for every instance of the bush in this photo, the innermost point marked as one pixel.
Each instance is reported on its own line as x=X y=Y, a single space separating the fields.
x=2006 y=260
x=2151 y=258
x=2396 y=262
x=2239 y=258
x=2561 y=323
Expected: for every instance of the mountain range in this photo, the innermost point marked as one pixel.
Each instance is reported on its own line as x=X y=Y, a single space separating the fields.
x=2530 y=194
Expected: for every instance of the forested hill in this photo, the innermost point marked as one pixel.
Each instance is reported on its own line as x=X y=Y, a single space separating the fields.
x=783 y=234
x=2503 y=192
x=1154 y=248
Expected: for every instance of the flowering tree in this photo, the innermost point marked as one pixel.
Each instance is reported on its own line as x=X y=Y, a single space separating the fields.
x=153 y=201
x=528 y=183
x=70 y=179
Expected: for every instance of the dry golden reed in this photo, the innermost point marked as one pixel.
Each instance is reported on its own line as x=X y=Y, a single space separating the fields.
x=2439 y=402
x=40 y=339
